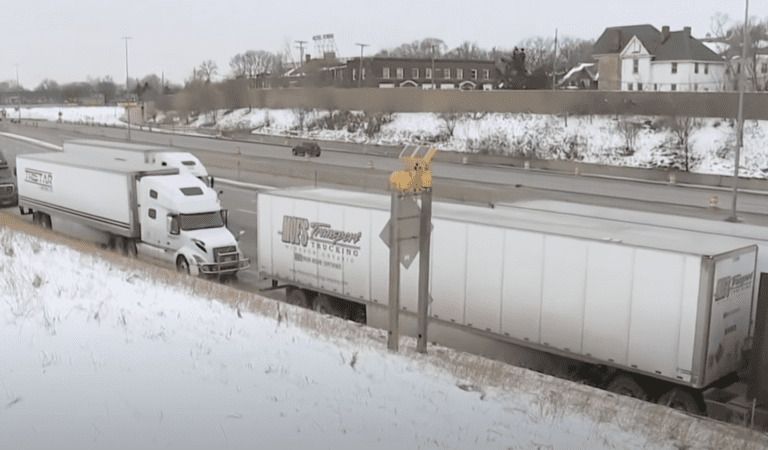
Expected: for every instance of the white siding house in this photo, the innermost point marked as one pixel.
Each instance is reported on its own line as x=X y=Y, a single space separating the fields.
x=678 y=62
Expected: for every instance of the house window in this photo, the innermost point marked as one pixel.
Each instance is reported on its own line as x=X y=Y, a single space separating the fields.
x=706 y=68
x=152 y=213
x=460 y=74
x=385 y=72
x=428 y=72
x=354 y=74
x=473 y=73
x=655 y=86
x=363 y=73
x=674 y=67
x=447 y=73
x=635 y=65
x=695 y=67
x=639 y=86
x=630 y=86
x=486 y=74
x=415 y=73
x=673 y=87
x=764 y=68
x=152 y=193
x=695 y=86
x=399 y=73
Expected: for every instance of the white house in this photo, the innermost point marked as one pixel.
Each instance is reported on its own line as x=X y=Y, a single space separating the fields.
x=679 y=62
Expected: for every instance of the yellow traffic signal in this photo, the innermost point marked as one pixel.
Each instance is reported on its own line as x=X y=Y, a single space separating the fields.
x=417 y=175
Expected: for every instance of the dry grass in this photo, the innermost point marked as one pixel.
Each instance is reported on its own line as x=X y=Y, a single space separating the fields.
x=555 y=399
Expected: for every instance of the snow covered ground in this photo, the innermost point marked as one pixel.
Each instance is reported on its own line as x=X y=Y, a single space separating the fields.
x=631 y=141
x=100 y=352
x=105 y=115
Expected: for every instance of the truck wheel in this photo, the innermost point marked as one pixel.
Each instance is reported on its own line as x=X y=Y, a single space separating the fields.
x=624 y=384
x=36 y=218
x=682 y=400
x=298 y=297
x=182 y=265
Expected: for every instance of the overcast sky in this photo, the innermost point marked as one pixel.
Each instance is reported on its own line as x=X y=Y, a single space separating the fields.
x=68 y=40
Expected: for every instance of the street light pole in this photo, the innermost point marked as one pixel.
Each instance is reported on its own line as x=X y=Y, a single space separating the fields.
x=360 y=74
x=127 y=93
x=740 y=119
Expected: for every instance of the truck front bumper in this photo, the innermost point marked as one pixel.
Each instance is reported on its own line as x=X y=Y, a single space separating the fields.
x=223 y=268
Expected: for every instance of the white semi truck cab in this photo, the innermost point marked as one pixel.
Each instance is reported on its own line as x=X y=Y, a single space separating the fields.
x=157 y=155
x=133 y=206
x=182 y=221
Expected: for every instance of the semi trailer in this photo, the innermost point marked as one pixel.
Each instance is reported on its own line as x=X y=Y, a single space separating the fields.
x=156 y=155
x=134 y=207
x=658 y=313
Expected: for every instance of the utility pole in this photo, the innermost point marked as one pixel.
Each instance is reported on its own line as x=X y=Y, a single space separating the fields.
x=127 y=92
x=432 y=48
x=301 y=51
x=554 y=64
x=18 y=89
x=425 y=235
x=393 y=338
x=360 y=74
x=740 y=119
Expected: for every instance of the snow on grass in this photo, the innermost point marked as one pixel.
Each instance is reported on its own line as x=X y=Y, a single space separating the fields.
x=105 y=115
x=97 y=352
x=589 y=139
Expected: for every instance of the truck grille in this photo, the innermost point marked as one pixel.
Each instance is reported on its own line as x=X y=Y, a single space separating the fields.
x=6 y=189
x=225 y=254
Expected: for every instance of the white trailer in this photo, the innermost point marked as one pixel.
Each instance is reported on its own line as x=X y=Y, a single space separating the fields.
x=156 y=155
x=133 y=206
x=657 y=312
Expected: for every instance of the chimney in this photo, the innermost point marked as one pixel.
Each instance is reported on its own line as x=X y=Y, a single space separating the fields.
x=687 y=31
x=664 y=33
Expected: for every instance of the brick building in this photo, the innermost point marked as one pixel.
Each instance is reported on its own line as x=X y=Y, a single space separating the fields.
x=386 y=72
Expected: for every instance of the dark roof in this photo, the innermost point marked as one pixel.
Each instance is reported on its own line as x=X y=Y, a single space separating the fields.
x=614 y=39
x=681 y=46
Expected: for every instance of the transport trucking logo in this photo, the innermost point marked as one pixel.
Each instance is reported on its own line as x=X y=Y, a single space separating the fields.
x=732 y=284
x=319 y=243
x=40 y=178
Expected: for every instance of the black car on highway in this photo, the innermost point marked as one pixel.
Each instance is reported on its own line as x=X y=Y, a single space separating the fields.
x=307 y=148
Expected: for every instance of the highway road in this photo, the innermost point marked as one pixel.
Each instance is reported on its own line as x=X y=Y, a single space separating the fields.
x=267 y=164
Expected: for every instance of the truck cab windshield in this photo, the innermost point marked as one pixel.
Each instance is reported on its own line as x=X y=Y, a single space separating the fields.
x=191 y=222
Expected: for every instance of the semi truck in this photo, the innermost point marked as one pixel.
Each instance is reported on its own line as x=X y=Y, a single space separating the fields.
x=157 y=155
x=135 y=207
x=658 y=313
x=8 y=194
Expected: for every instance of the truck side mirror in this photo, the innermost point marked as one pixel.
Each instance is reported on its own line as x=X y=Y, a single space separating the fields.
x=225 y=217
x=240 y=235
x=173 y=225
x=211 y=181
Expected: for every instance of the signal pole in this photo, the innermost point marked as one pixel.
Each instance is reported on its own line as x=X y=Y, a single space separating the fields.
x=301 y=51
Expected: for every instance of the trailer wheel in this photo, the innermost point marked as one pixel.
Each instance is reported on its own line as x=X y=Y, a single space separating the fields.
x=682 y=400
x=130 y=248
x=36 y=218
x=624 y=384
x=325 y=305
x=45 y=221
x=298 y=297
x=182 y=265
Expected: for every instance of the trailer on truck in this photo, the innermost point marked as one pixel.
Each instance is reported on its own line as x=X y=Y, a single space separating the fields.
x=653 y=312
x=156 y=155
x=132 y=206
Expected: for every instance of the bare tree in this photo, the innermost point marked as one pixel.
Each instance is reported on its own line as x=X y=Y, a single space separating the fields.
x=468 y=50
x=682 y=127
x=629 y=131
x=417 y=49
x=450 y=120
x=207 y=70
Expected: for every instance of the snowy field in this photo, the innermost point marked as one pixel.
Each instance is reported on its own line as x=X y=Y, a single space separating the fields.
x=103 y=115
x=631 y=141
x=98 y=352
